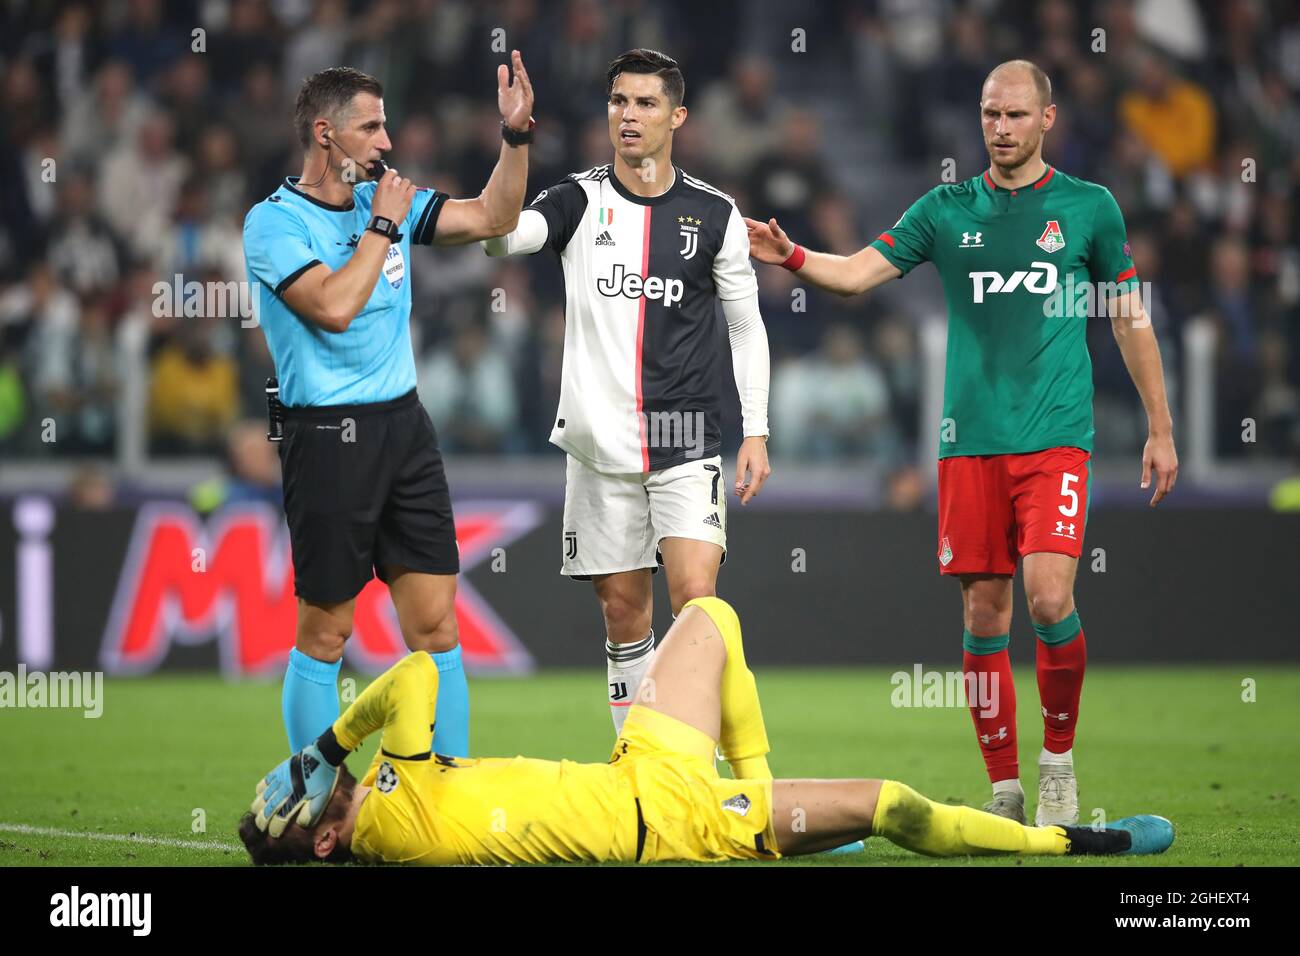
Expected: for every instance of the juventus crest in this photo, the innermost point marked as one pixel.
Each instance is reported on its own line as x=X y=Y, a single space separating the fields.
x=690 y=232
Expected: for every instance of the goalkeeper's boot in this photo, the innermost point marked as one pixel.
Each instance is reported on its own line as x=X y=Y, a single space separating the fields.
x=1150 y=833
x=857 y=846
x=1131 y=836
x=1058 y=796
x=1009 y=804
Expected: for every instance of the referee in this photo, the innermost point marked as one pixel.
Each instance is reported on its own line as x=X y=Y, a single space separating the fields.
x=364 y=487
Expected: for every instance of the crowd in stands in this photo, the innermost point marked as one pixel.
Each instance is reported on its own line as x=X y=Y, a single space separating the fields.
x=136 y=134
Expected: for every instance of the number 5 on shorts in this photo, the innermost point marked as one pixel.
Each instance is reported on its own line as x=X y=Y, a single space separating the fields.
x=1070 y=494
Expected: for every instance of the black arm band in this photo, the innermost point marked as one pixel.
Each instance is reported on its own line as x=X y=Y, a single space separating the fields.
x=330 y=748
x=515 y=138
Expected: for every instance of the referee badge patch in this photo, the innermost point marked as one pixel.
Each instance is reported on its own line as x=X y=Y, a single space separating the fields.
x=395 y=266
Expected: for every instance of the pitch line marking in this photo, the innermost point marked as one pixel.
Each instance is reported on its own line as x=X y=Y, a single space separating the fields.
x=28 y=830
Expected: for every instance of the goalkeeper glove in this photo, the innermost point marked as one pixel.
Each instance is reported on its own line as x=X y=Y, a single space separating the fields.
x=298 y=790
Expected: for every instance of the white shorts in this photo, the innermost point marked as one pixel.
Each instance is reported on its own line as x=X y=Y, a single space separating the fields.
x=614 y=523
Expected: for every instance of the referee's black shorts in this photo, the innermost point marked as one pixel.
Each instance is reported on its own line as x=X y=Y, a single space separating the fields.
x=364 y=488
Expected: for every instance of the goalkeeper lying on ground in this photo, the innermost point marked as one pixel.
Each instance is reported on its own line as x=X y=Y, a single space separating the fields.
x=658 y=798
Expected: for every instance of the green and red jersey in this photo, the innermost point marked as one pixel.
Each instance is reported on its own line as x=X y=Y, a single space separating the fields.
x=1015 y=265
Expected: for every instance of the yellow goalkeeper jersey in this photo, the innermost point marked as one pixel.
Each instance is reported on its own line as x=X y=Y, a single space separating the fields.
x=654 y=801
x=431 y=809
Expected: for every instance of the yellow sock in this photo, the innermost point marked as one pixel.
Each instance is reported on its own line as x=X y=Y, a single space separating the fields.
x=905 y=817
x=743 y=736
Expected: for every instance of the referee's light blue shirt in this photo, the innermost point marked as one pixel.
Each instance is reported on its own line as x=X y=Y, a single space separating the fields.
x=289 y=232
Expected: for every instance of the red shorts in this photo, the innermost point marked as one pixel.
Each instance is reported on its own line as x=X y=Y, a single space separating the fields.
x=993 y=509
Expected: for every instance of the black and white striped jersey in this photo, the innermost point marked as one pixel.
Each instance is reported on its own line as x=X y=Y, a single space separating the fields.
x=642 y=372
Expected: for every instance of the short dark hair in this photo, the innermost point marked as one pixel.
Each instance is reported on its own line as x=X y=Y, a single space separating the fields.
x=296 y=845
x=329 y=93
x=649 y=61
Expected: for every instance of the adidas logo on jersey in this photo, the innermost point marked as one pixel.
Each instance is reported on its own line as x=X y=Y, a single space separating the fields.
x=605 y=239
x=633 y=286
x=713 y=522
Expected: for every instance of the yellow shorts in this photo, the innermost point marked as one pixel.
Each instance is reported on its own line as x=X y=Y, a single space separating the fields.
x=687 y=811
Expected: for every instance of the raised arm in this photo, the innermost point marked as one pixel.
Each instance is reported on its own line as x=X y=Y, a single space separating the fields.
x=402 y=701
x=331 y=298
x=843 y=275
x=495 y=211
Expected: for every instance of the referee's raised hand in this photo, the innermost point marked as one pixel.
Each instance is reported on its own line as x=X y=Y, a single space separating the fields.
x=393 y=197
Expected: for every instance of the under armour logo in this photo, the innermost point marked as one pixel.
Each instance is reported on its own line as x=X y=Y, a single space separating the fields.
x=1055 y=716
x=972 y=240
x=1065 y=528
x=989 y=738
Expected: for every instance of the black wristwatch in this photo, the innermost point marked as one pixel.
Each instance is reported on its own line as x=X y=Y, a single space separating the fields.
x=515 y=138
x=385 y=227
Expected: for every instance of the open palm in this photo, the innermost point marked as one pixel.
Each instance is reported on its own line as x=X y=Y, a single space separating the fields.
x=515 y=100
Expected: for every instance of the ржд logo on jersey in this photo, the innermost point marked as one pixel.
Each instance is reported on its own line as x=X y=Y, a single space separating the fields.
x=1040 y=280
x=633 y=286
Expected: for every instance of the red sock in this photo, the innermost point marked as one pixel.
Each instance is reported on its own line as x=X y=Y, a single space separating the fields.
x=992 y=698
x=1060 y=682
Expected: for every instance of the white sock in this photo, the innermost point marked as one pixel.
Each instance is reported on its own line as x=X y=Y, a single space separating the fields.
x=1011 y=785
x=1067 y=758
x=627 y=665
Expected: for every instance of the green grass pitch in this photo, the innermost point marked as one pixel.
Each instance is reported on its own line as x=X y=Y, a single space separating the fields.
x=169 y=752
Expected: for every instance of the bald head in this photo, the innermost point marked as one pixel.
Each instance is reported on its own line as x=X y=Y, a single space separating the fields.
x=1018 y=70
x=1016 y=112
